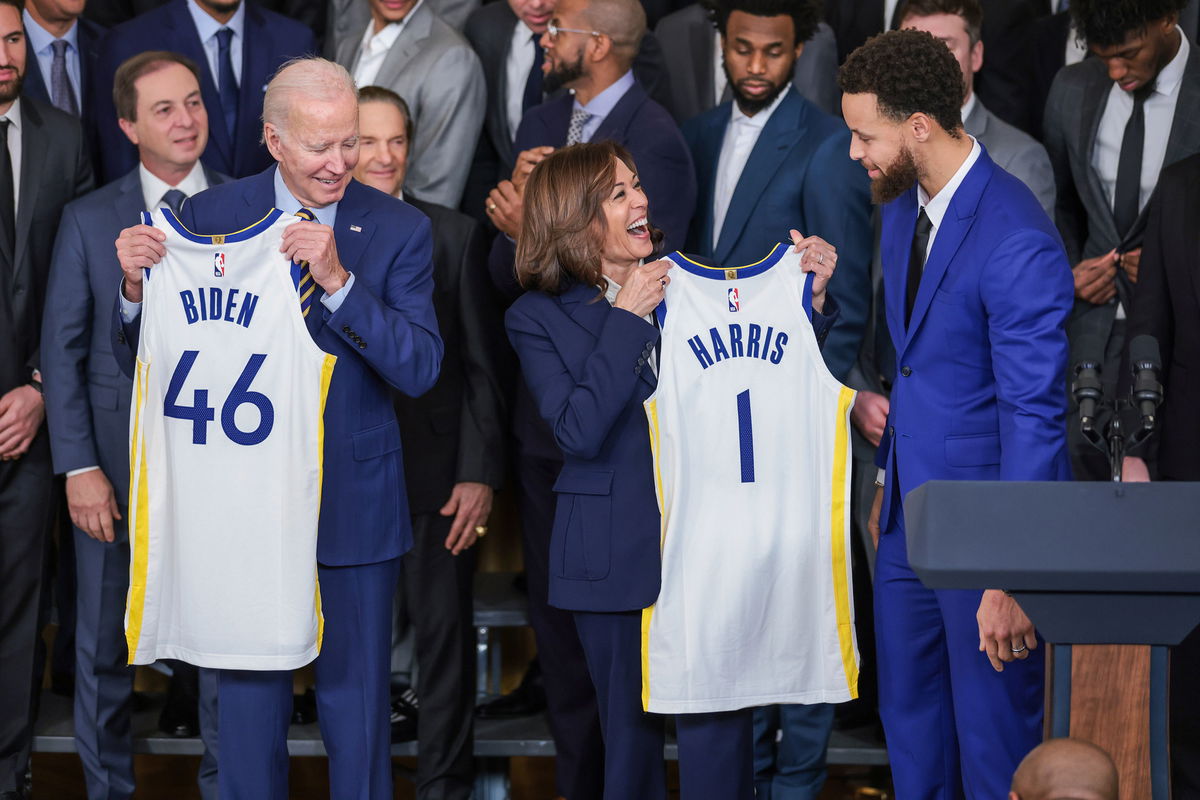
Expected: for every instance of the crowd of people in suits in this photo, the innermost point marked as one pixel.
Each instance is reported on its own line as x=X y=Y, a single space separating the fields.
x=732 y=112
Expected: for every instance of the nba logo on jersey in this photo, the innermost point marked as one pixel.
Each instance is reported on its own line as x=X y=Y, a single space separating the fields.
x=735 y=300
x=218 y=265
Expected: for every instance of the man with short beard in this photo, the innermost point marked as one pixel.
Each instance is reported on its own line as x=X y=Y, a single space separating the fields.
x=977 y=291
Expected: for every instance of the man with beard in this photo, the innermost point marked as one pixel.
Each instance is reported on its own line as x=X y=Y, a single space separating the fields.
x=238 y=46
x=43 y=166
x=1112 y=123
x=977 y=291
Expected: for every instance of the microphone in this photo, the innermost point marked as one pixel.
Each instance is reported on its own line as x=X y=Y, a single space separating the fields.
x=1147 y=391
x=1087 y=363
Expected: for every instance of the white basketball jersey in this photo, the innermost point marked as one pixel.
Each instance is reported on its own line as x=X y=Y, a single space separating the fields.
x=226 y=437
x=750 y=435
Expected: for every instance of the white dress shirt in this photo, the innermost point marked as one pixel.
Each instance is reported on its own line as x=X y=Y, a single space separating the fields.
x=154 y=188
x=1076 y=50
x=610 y=294
x=889 y=9
x=207 y=28
x=516 y=73
x=720 y=79
x=375 y=46
x=741 y=134
x=41 y=45
x=1159 y=110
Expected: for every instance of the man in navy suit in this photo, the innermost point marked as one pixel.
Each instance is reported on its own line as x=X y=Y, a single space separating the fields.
x=371 y=254
x=87 y=404
x=766 y=160
x=977 y=291
x=59 y=73
x=238 y=45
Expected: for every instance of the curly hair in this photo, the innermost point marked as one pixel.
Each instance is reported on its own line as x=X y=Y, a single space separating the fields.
x=909 y=72
x=1106 y=23
x=805 y=14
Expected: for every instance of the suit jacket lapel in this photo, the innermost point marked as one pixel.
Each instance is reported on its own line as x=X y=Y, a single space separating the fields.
x=618 y=120
x=778 y=137
x=130 y=202
x=1185 y=128
x=899 y=224
x=406 y=47
x=254 y=64
x=590 y=312
x=184 y=33
x=1095 y=98
x=33 y=160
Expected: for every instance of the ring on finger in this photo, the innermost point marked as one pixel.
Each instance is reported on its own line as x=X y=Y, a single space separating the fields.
x=820 y=258
x=1020 y=649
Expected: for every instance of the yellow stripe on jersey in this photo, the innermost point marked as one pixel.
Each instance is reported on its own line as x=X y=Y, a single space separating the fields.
x=652 y=417
x=841 y=582
x=139 y=500
x=327 y=366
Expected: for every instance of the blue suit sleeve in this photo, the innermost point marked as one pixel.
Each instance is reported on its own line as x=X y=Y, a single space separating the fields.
x=399 y=328
x=1027 y=292
x=582 y=412
x=837 y=207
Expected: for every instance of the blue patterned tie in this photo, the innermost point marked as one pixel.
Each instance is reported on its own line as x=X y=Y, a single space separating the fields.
x=62 y=94
x=227 y=88
x=302 y=276
x=579 y=118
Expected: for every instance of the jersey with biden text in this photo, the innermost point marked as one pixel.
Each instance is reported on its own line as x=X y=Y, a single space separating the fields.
x=226 y=445
x=750 y=435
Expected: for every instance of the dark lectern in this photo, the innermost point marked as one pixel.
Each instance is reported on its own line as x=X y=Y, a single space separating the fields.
x=1090 y=563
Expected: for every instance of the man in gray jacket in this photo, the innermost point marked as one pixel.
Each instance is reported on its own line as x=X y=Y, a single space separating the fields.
x=958 y=23
x=407 y=48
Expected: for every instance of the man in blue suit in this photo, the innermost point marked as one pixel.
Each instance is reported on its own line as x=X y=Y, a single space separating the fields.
x=977 y=292
x=61 y=79
x=87 y=404
x=371 y=254
x=238 y=45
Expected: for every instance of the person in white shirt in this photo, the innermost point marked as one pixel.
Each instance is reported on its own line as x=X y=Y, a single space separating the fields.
x=162 y=113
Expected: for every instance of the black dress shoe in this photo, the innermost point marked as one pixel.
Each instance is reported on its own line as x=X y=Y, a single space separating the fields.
x=179 y=721
x=404 y=720
x=304 y=708
x=526 y=700
x=180 y=716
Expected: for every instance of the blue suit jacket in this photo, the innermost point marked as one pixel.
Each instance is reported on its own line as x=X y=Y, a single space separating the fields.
x=270 y=40
x=979 y=393
x=799 y=175
x=87 y=397
x=385 y=333
x=38 y=85
x=648 y=132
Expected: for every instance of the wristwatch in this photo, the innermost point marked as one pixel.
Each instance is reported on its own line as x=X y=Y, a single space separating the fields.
x=35 y=380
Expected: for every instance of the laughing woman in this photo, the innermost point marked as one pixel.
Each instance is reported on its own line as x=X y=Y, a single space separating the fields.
x=586 y=337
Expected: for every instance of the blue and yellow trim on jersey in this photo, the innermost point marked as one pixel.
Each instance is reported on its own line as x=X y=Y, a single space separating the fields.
x=327 y=366
x=838 y=533
x=738 y=273
x=249 y=232
x=139 y=504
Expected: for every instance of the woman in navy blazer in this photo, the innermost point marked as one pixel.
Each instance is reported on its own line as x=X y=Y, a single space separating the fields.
x=587 y=346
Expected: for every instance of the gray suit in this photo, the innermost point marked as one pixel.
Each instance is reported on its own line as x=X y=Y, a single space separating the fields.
x=343 y=19
x=1083 y=212
x=688 y=44
x=1014 y=151
x=438 y=74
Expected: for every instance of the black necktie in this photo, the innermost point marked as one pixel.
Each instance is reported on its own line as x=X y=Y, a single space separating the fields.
x=533 y=84
x=174 y=199
x=1127 y=197
x=8 y=203
x=916 y=262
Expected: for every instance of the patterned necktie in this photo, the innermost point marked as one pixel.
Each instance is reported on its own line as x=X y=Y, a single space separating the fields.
x=579 y=118
x=174 y=199
x=227 y=88
x=302 y=276
x=62 y=94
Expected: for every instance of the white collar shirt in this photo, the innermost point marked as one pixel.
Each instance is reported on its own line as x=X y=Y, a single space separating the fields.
x=15 y=123
x=154 y=189
x=375 y=46
x=41 y=45
x=207 y=28
x=516 y=73
x=937 y=206
x=741 y=134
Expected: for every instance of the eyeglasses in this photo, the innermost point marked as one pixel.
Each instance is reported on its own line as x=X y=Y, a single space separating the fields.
x=554 y=31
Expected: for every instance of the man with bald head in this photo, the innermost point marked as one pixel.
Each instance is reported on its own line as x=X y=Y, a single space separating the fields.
x=1065 y=769
x=370 y=257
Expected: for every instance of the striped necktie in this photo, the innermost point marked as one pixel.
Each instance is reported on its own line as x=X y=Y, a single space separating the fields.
x=301 y=274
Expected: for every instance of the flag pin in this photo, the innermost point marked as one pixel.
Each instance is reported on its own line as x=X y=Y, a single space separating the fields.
x=356 y=228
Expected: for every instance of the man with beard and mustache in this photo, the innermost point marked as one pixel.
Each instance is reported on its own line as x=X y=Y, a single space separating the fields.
x=43 y=166
x=977 y=291
x=238 y=45
x=1112 y=123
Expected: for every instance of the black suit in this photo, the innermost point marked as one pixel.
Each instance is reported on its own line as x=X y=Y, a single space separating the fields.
x=54 y=170
x=1047 y=54
x=453 y=433
x=1167 y=307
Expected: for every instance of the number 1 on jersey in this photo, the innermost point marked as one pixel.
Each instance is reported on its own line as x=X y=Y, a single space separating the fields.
x=745 y=436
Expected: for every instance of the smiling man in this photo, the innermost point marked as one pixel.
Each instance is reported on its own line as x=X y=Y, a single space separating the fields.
x=369 y=255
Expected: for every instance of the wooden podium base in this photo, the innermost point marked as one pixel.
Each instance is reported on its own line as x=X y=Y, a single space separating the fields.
x=1115 y=697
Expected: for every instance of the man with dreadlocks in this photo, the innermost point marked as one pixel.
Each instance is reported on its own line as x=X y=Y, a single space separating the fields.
x=1112 y=123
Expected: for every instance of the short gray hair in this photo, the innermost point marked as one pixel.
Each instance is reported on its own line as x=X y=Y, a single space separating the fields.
x=310 y=77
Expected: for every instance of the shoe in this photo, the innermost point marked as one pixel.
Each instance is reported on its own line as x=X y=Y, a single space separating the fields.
x=526 y=700
x=304 y=708
x=404 y=724
x=180 y=717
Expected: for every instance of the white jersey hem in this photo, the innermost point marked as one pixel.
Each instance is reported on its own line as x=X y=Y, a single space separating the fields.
x=718 y=704
x=247 y=662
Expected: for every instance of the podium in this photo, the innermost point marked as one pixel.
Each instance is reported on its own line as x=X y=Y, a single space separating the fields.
x=1091 y=564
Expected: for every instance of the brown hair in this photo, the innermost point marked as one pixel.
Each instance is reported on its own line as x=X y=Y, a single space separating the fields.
x=380 y=94
x=19 y=5
x=134 y=68
x=563 y=224
x=971 y=12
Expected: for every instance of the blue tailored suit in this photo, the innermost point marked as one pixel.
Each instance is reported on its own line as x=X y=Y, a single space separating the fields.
x=384 y=335
x=38 y=85
x=799 y=175
x=978 y=396
x=87 y=407
x=270 y=40
x=585 y=364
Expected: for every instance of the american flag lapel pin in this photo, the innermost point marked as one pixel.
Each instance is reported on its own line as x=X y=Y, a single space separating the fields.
x=356 y=228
